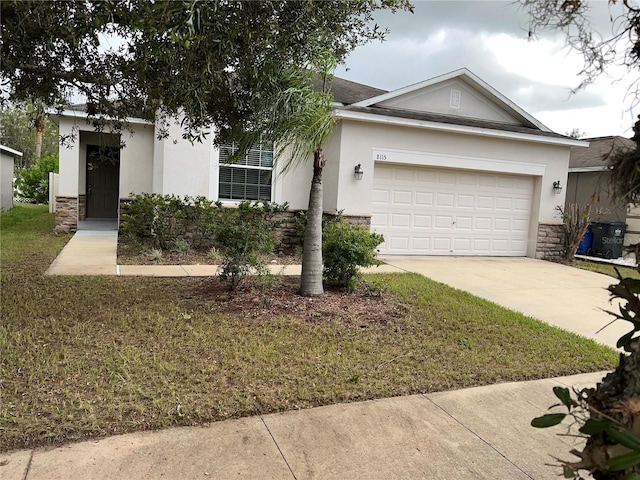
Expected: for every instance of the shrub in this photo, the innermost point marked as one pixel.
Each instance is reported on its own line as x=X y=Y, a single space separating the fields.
x=163 y=220
x=346 y=247
x=34 y=182
x=246 y=234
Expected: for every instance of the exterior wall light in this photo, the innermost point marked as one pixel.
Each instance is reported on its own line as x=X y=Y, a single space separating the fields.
x=557 y=188
x=358 y=172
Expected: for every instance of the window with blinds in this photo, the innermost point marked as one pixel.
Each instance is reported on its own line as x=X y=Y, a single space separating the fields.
x=250 y=177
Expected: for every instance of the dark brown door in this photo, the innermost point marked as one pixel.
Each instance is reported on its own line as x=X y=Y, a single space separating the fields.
x=103 y=181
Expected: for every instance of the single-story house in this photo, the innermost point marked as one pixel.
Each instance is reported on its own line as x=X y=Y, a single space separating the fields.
x=588 y=182
x=7 y=161
x=449 y=167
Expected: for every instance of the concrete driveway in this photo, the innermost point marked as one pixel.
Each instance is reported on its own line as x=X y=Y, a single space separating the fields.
x=559 y=295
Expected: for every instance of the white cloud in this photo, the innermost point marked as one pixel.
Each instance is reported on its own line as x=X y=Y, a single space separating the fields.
x=490 y=38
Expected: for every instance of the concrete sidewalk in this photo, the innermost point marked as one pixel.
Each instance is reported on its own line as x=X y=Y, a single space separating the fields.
x=476 y=433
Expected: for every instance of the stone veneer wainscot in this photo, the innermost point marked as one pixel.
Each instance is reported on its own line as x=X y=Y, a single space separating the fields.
x=550 y=244
x=66 y=214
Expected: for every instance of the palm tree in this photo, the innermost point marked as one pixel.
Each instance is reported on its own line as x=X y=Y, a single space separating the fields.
x=298 y=118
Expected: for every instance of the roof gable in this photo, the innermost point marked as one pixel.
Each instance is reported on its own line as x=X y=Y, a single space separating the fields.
x=457 y=94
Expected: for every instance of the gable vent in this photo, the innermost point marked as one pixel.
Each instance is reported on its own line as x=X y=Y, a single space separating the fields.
x=454 y=98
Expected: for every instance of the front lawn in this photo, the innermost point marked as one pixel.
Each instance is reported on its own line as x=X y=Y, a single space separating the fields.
x=93 y=356
x=607 y=269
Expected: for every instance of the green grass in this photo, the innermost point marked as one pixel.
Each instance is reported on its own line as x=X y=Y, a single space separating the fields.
x=607 y=269
x=93 y=356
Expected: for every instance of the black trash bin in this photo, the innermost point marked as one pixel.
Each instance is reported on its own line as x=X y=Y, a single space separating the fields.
x=608 y=238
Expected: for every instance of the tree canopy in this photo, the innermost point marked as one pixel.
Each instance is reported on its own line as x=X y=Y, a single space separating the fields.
x=600 y=51
x=18 y=131
x=212 y=62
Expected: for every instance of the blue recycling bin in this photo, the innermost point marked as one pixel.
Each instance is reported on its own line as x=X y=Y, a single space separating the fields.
x=584 y=247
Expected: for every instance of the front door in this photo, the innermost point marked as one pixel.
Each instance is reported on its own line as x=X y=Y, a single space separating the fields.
x=103 y=181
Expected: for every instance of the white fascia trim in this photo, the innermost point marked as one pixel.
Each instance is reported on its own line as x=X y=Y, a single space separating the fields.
x=589 y=169
x=84 y=115
x=462 y=72
x=484 y=132
x=10 y=151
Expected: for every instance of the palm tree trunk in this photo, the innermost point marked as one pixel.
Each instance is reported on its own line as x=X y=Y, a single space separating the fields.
x=311 y=279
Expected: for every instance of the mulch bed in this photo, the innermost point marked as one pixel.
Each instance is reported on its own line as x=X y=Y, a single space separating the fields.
x=253 y=300
x=363 y=307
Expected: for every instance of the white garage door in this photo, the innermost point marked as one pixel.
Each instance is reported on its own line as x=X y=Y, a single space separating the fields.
x=426 y=211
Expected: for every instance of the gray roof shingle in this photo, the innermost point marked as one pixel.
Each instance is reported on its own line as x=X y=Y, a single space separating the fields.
x=598 y=152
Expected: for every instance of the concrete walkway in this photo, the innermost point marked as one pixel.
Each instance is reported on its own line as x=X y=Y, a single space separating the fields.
x=476 y=433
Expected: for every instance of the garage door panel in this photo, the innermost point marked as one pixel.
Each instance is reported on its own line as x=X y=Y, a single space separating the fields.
x=404 y=174
x=448 y=212
x=381 y=196
x=502 y=224
x=399 y=243
x=445 y=199
x=447 y=178
x=464 y=223
x=379 y=220
x=465 y=201
x=424 y=199
x=486 y=181
x=483 y=224
x=504 y=203
x=443 y=221
x=484 y=202
x=520 y=225
x=442 y=244
x=420 y=244
x=402 y=197
x=426 y=176
x=462 y=245
x=521 y=204
x=467 y=179
x=400 y=220
x=422 y=221
x=481 y=245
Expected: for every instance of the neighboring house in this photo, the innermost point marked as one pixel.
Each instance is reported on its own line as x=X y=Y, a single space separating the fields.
x=450 y=167
x=7 y=160
x=589 y=183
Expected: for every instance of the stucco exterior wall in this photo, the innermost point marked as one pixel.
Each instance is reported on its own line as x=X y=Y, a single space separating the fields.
x=593 y=188
x=136 y=161
x=69 y=158
x=186 y=168
x=366 y=143
x=463 y=101
x=6 y=181
x=294 y=185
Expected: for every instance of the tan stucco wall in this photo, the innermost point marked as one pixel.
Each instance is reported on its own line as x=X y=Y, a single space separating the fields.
x=593 y=188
